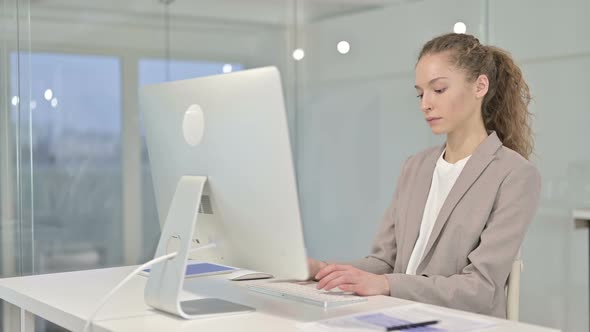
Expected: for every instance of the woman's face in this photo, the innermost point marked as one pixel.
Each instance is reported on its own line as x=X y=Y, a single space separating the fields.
x=448 y=100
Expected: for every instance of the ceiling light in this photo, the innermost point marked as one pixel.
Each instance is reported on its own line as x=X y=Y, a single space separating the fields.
x=460 y=27
x=298 y=54
x=343 y=47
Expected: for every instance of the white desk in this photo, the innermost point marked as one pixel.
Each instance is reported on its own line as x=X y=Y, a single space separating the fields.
x=67 y=299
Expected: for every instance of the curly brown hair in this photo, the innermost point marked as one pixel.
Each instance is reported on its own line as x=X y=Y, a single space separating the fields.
x=505 y=106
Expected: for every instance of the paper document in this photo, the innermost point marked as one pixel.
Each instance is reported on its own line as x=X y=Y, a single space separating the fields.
x=401 y=315
x=199 y=269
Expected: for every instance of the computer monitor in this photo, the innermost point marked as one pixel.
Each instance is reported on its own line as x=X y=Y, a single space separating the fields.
x=231 y=128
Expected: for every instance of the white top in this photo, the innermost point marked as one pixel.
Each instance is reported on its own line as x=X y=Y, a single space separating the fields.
x=444 y=177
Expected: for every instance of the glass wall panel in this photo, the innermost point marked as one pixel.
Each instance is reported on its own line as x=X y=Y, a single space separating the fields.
x=75 y=133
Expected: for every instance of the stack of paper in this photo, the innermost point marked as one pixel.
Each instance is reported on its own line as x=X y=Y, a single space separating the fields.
x=401 y=315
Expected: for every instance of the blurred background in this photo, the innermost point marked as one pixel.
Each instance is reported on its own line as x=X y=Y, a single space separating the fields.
x=75 y=182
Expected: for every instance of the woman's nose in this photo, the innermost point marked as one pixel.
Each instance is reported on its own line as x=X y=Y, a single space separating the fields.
x=425 y=104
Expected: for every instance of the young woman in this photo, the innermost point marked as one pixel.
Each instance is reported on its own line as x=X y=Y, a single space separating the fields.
x=461 y=210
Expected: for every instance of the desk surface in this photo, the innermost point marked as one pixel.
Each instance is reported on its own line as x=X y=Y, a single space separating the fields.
x=68 y=298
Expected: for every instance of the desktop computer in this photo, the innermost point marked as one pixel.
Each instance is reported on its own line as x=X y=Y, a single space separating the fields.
x=231 y=129
x=223 y=177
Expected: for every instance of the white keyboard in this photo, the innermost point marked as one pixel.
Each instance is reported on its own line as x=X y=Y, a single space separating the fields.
x=305 y=292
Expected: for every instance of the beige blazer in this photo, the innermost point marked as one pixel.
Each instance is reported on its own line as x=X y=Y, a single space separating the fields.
x=476 y=236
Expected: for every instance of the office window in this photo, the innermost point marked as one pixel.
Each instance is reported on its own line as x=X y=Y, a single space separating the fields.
x=74 y=136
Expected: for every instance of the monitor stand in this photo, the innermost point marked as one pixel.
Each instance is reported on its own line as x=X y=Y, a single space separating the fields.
x=166 y=278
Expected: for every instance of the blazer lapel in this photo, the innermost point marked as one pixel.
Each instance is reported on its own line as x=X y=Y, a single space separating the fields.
x=478 y=162
x=417 y=204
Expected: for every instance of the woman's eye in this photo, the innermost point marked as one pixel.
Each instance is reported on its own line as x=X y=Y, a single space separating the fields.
x=440 y=90
x=419 y=96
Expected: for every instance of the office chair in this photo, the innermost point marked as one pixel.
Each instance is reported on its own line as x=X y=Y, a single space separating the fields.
x=513 y=289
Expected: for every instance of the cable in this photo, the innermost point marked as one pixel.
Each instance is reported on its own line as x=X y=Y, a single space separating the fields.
x=105 y=299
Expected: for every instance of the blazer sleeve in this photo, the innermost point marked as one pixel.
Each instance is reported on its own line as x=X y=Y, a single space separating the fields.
x=384 y=249
x=490 y=262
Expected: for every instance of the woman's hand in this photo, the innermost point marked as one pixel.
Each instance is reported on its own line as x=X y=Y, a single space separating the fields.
x=351 y=279
x=314 y=266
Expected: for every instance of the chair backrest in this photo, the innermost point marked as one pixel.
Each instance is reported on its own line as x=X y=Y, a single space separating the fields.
x=513 y=289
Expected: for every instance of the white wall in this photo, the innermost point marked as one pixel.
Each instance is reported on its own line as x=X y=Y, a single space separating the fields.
x=359 y=117
x=359 y=120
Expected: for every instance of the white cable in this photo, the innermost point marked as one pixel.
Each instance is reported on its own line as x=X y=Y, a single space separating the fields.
x=105 y=299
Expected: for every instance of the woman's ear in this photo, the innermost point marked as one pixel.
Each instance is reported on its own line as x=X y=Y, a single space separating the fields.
x=482 y=84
